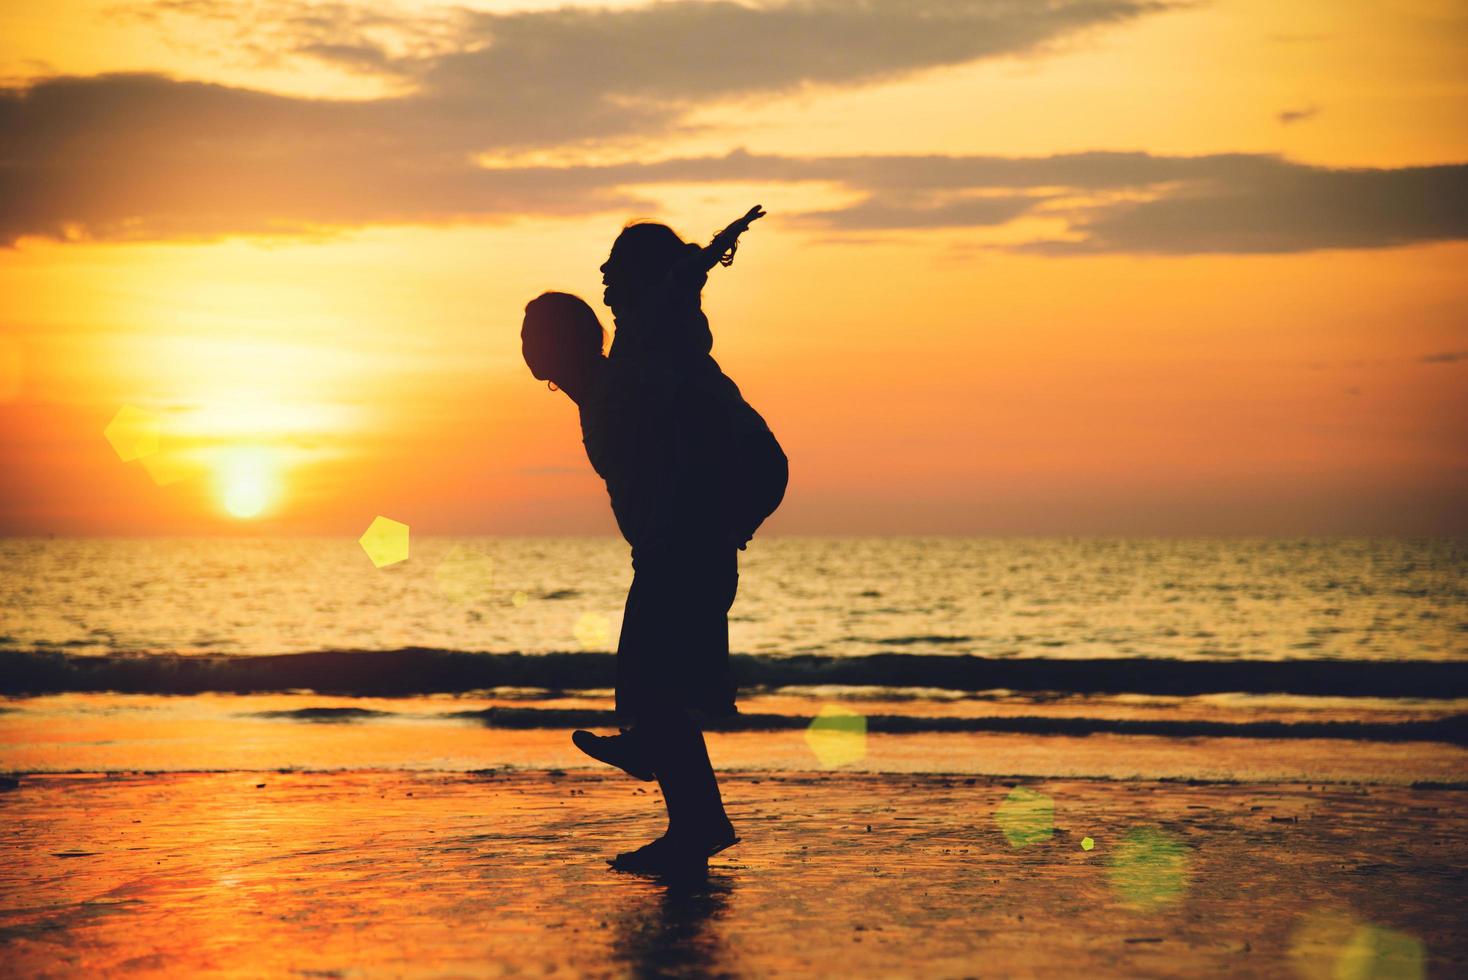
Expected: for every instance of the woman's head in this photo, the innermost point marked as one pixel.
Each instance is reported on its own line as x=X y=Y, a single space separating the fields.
x=641 y=258
x=560 y=333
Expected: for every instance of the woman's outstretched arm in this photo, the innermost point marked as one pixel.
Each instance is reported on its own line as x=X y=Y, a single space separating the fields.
x=720 y=251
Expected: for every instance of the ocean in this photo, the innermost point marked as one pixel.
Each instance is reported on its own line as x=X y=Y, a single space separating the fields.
x=153 y=647
x=1214 y=599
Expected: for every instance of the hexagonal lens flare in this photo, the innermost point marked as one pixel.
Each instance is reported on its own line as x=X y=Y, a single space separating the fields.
x=465 y=574
x=837 y=736
x=133 y=433
x=593 y=631
x=1026 y=817
x=385 y=541
x=1149 y=868
x=1331 y=944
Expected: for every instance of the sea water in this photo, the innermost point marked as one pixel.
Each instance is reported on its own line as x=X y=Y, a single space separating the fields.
x=1193 y=599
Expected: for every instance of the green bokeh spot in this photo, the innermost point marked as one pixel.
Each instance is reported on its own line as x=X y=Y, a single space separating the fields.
x=1026 y=817
x=1374 y=952
x=829 y=721
x=1149 y=868
x=1334 y=945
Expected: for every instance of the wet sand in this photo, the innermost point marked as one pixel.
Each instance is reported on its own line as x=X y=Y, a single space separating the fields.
x=97 y=733
x=395 y=873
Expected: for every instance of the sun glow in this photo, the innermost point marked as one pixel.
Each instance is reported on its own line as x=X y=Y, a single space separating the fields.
x=249 y=483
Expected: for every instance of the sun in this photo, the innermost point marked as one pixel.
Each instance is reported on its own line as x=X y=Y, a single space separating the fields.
x=248 y=483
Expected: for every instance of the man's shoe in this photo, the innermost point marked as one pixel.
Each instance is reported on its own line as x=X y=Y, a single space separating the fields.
x=720 y=838
x=621 y=751
x=663 y=857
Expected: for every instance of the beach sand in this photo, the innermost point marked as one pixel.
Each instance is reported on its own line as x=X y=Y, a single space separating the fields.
x=396 y=873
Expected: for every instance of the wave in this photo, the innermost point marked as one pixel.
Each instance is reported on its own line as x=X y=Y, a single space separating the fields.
x=326 y=715
x=1453 y=730
x=414 y=671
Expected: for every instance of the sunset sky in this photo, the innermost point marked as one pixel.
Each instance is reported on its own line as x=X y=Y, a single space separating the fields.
x=1075 y=266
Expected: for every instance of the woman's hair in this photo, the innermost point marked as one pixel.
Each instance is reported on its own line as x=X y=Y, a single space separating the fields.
x=645 y=251
x=557 y=327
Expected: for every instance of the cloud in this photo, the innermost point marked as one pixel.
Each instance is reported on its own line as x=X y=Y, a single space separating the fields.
x=1284 y=208
x=1445 y=357
x=679 y=52
x=1289 y=117
x=331 y=165
x=144 y=155
x=140 y=156
x=378 y=39
x=1113 y=202
x=665 y=51
x=875 y=214
x=534 y=78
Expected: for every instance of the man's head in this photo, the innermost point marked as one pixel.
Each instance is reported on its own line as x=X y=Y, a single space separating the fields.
x=560 y=335
x=641 y=258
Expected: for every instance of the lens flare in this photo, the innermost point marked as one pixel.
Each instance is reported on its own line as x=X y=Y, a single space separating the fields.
x=385 y=541
x=1149 y=868
x=593 y=631
x=1026 y=817
x=837 y=736
x=1331 y=944
x=465 y=574
x=133 y=433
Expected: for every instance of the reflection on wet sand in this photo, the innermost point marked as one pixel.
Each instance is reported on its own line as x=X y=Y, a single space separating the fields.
x=385 y=874
x=675 y=928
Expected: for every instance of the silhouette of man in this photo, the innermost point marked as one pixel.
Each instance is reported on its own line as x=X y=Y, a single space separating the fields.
x=665 y=448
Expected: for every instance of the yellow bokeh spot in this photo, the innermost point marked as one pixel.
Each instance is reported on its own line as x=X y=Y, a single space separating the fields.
x=519 y=599
x=1149 y=868
x=133 y=433
x=1333 y=945
x=593 y=631
x=1087 y=843
x=1026 y=817
x=385 y=541
x=464 y=574
x=166 y=467
x=837 y=736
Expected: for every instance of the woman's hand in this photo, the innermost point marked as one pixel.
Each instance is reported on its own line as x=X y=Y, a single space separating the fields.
x=725 y=242
x=740 y=226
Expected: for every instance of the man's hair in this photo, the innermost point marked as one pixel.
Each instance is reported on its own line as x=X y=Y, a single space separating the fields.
x=557 y=325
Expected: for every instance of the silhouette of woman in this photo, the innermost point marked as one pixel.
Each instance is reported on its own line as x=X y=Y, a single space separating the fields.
x=654 y=281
